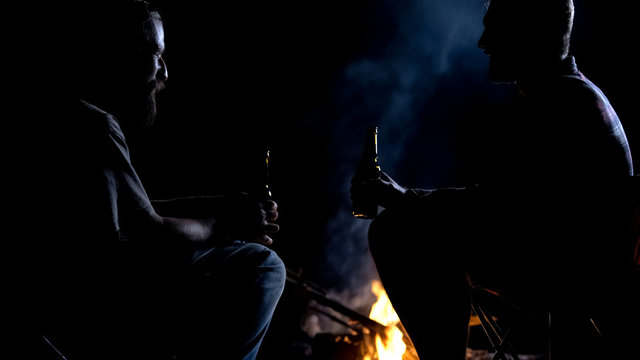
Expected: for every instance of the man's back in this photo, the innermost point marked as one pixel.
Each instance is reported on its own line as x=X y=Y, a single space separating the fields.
x=562 y=128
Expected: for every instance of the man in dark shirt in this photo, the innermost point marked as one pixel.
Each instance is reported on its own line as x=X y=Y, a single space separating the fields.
x=547 y=224
x=111 y=274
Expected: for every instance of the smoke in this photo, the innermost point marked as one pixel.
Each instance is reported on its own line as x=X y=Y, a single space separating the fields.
x=399 y=86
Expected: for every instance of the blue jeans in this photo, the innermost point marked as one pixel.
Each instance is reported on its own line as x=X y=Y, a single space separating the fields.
x=215 y=303
x=239 y=287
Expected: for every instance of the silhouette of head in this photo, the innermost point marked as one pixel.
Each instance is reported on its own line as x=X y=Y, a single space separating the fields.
x=112 y=56
x=525 y=38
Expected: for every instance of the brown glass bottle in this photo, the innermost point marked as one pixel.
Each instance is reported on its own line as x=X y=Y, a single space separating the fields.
x=267 y=190
x=367 y=168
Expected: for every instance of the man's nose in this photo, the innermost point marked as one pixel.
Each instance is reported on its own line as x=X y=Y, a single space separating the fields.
x=163 y=74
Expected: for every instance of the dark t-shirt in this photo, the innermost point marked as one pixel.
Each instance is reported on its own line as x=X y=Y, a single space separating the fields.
x=95 y=188
x=118 y=180
x=74 y=190
x=82 y=191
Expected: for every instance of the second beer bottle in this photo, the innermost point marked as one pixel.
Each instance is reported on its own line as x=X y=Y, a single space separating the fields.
x=368 y=168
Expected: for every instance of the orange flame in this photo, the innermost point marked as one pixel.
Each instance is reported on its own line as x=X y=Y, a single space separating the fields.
x=382 y=311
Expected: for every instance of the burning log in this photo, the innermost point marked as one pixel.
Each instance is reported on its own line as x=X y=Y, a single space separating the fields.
x=370 y=338
x=314 y=292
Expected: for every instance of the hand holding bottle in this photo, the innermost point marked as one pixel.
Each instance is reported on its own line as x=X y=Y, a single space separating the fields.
x=381 y=190
x=269 y=208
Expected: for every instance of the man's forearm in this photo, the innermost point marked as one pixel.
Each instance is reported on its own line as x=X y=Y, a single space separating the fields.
x=192 y=231
x=169 y=231
x=190 y=207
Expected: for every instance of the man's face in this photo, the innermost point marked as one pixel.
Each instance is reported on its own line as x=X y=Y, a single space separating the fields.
x=152 y=69
x=500 y=41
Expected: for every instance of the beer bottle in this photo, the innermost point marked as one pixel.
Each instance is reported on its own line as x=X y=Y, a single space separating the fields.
x=261 y=190
x=267 y=190
x=367 y=168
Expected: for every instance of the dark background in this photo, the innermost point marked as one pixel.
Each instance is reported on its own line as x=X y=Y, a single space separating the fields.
x=303 y=78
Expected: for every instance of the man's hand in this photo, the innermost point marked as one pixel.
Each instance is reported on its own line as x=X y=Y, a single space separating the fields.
x=249 y=220
x=269 y=214
x=383 y=189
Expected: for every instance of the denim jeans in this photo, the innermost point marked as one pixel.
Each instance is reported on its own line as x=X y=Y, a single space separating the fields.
x=240 y=285
x=215 y=303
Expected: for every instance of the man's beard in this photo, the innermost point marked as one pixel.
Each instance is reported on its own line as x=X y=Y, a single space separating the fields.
x=146 y=109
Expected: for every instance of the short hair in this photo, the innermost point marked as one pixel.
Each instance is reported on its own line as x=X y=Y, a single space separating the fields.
x=112 y=25
x=546 y=23
x=93 y=35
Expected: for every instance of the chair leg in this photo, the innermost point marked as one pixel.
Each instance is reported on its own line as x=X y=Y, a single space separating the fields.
x=53 y=349
x=498 y=339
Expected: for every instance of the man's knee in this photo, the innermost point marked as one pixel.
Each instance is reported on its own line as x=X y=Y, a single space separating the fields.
x=242 y=264
x=263 y=257
x=383 y=230
x=262 y=267
x=376 y=229
x=273 y=271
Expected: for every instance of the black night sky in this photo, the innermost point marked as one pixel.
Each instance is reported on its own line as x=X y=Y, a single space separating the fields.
x=305 y=77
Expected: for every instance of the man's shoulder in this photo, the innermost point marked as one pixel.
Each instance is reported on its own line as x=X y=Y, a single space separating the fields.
x=580 y=88
x=91 y=119
x=577 y=84
x=574 y=82
x=85 y=106
x=93 y=114
x=579 y=95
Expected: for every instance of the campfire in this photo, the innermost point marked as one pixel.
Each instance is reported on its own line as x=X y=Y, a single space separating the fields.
x=394 y=343
x=376 y=336
x=379 y=335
